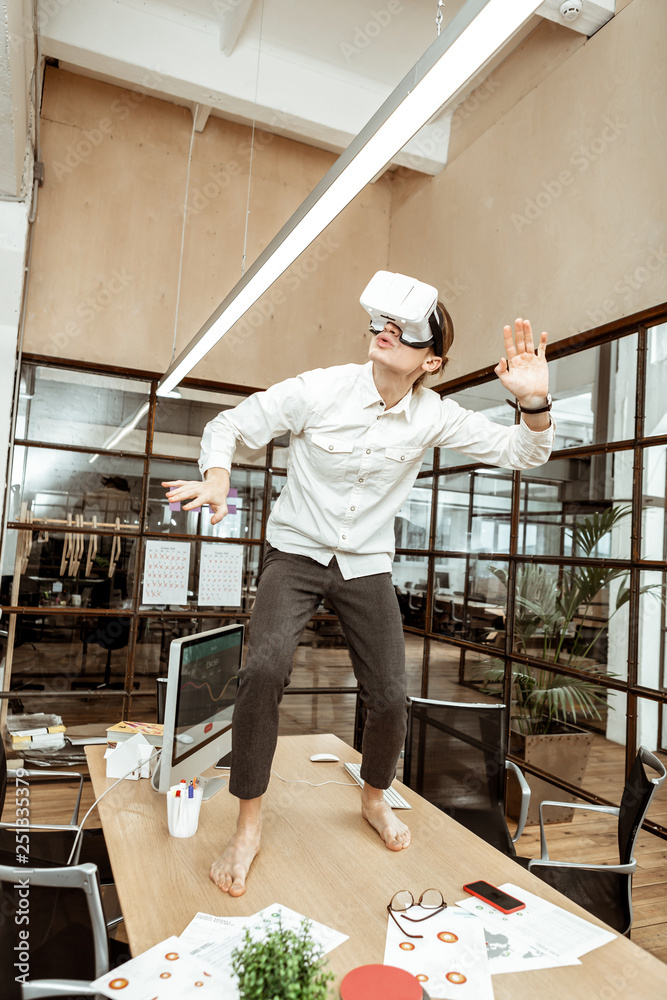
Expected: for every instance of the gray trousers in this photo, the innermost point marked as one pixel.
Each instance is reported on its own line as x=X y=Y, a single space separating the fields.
x=289 y=591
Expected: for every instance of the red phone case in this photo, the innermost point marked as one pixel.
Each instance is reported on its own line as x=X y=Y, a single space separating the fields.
x=496 y=905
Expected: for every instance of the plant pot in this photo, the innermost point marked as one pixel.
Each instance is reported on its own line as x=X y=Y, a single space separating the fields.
x=564 y=754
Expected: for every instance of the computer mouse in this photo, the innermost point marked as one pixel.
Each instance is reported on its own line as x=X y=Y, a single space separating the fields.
x=324 y=756
x=186 y=738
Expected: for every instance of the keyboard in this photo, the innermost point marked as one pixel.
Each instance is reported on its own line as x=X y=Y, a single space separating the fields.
x=390 y=795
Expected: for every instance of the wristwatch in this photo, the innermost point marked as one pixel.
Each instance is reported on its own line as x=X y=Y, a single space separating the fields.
x=523 y=409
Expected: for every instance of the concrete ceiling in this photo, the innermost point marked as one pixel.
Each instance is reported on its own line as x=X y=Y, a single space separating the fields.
x=313 y=70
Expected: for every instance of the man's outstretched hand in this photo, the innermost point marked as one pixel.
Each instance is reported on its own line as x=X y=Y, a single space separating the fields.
x=524 y=371
x=213 y=491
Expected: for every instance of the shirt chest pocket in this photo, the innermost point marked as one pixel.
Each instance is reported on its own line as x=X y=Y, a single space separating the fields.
x=398 y=460
x=330 y=455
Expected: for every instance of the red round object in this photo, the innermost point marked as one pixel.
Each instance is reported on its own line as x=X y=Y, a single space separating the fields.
x=380 y=982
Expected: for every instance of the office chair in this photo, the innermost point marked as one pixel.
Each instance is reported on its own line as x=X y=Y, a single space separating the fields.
x=68 y=944
x=52 y=843
x=455 y=757
x=606 y=890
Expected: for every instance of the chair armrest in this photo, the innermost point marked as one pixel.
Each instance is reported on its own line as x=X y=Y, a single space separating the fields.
x=584 y=866
x=12 y=772
x=525 y=797
x=611 y=810
x=57 y=988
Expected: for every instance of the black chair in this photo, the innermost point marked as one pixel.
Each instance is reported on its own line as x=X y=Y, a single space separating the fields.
x=606 y=890
x=68 y=943
x=52 y=843
x=455 y=756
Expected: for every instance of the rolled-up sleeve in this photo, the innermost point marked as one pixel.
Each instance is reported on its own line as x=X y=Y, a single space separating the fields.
x=255 y=422
x=473 y=434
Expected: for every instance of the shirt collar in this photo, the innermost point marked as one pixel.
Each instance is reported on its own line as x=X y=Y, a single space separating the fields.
x=370 y=395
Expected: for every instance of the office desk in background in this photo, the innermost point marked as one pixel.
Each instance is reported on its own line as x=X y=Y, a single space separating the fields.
x=320 y=858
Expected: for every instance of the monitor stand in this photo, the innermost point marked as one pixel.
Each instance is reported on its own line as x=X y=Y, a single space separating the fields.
x=209 y=786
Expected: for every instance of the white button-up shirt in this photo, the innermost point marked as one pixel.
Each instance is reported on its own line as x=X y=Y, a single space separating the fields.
x=352 y=462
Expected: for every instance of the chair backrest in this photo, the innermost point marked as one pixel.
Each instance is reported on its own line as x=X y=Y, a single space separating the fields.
x=637 y=794
x=160 y=698
x=62 y=910
x=455 y=754
x=3 y=774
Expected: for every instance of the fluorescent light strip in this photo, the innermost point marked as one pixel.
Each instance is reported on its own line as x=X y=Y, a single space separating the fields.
x=470 y=40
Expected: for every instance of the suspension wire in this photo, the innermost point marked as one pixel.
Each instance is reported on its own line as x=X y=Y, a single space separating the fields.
x=252 y=140
x=439 y=16
x=185 y=211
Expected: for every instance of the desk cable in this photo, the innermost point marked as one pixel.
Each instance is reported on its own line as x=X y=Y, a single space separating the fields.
x=315 y=784
x=79 y=833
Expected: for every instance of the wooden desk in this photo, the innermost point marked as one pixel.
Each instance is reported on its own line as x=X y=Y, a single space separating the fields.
x=320 y=858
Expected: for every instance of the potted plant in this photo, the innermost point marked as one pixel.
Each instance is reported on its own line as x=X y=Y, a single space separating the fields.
x=550 y=623
x=281 y=965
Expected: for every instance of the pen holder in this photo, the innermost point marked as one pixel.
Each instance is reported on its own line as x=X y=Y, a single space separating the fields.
x=183 y=813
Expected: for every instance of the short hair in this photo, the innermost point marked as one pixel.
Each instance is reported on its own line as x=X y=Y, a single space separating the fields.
x=447 y=327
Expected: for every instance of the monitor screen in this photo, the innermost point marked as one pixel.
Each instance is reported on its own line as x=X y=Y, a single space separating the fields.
x=207 y=683
x=199 y=702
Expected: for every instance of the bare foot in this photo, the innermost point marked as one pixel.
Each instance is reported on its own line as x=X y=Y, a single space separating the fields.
x=230 y=870
x=382 y=818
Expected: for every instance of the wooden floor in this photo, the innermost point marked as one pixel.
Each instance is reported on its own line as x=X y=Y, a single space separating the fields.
x=589 y=837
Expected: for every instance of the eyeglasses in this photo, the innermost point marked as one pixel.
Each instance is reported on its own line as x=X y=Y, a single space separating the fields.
x=430 y=899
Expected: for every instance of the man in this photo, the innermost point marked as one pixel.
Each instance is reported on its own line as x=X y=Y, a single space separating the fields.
x=358 y=435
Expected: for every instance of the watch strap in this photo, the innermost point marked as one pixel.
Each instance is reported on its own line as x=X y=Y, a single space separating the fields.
x=523 y=409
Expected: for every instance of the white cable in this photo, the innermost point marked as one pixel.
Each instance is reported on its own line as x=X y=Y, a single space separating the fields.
x=315 y=784
x=136 y=767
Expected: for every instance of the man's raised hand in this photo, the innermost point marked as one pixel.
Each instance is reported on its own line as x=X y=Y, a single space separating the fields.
x=524 y=370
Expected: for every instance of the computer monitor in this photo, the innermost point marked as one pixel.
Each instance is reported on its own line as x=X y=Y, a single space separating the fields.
x=201 y=688
x=442 y=580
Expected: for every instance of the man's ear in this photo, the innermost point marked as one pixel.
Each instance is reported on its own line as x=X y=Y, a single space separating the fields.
x=432 y=364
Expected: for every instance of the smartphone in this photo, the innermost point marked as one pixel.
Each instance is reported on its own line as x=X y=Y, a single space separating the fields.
x=494 y=897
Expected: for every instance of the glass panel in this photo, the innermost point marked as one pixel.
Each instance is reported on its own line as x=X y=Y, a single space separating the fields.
x=444 y=672
x=38 y=582
x=414 y=663
x=248 y=581
x=655 y=417
x=652 y=667
x=409 y=575
x=82 y=408
x=449 y=591
x=594 y=493
x=576 y=616
x=244 y=522
x=654 y=509
x=65 y=652
x=318 y=713
x=152 y=654
x=277 y=483
x=427 y=462
x=413 y=522
x=452 y=532
x=489 y=399
x=594 y=394
x=474 y=511
x=280 y=451
x=55 y=484
x=179 y=424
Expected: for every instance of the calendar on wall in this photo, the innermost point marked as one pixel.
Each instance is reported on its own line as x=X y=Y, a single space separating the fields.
x=220 y=575
x=166 y=572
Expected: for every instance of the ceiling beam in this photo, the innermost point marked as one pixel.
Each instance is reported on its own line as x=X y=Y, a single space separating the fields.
x=594 y=14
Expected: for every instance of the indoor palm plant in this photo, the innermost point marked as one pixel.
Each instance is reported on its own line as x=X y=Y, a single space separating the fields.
x=551 y=623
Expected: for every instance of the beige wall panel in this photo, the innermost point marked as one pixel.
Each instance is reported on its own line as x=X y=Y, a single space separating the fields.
x=108 y=238
x=503 y=236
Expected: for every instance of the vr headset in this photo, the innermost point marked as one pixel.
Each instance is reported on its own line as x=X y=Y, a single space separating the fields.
x=410 y=304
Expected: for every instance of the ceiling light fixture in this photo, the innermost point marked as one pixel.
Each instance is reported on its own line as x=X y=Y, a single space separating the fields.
x=463 y=48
